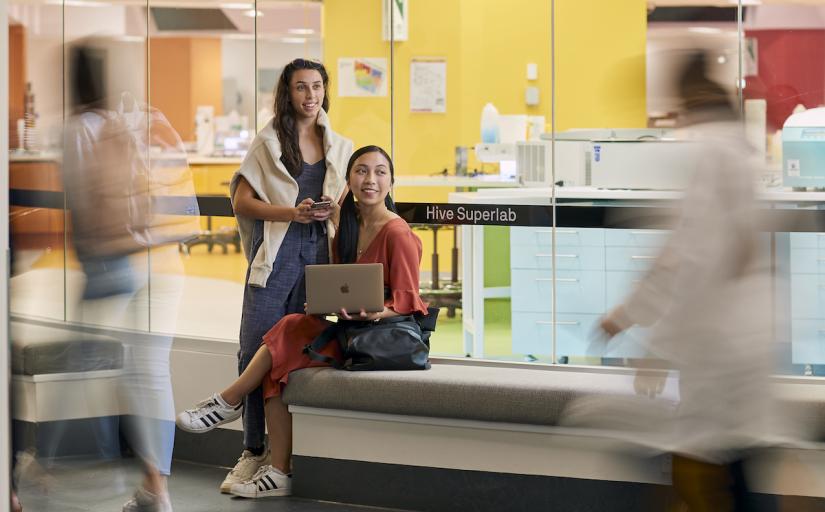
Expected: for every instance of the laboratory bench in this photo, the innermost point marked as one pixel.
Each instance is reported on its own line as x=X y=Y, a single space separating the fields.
x=596 y=262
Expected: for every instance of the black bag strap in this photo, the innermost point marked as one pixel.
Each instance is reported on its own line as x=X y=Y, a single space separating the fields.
x=427 y=322
x=335 y=331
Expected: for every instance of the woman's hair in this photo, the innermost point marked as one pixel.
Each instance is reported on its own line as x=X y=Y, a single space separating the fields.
x=284 y=120
x=87 y=85
x=699 y=92
x=348 y=221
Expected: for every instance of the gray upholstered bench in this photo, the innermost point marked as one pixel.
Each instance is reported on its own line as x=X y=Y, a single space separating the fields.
x=445 y=391
x=40 y=350
x=65 y=390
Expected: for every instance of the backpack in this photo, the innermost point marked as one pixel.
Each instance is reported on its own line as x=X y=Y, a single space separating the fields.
x=129 y=185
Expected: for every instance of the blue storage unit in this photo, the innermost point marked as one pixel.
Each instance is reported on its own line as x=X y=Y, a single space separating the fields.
x=594 y=270
x=807 y=296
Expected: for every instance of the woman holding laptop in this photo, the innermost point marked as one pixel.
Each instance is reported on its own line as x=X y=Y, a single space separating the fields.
x=285 y=197
x=369 y=231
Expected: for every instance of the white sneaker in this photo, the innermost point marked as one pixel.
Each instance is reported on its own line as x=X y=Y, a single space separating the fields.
x=208 y=414
x=268 y=481
x=246 y=467
x=145 y=501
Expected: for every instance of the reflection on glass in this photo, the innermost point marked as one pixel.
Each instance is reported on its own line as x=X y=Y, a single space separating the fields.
x=35 y=119
x=783 y=98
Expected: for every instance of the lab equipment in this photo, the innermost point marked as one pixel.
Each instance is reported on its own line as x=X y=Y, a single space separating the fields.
x=607 y=158
x=489 y=124
x=205 y=129
x=803 y=149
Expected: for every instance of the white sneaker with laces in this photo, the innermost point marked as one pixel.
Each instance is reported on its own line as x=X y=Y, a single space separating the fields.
x=246 y=467
x=268 y=481
x=208 y=414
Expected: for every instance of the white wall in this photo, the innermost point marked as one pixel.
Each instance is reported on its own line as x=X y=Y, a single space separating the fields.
x=785 y=17
x=238 y=58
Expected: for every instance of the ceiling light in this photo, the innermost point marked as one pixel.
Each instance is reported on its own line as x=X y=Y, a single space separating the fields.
x=237 y=6
x=301 y=31
x=294 y=40
x=252 y=13
x=705 y=30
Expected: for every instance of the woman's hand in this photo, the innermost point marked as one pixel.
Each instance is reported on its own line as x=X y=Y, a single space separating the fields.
x=331 y=211
x=362 y=316
x=303 y=212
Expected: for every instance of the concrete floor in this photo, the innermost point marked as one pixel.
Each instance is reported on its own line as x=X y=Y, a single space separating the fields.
x=82 y=486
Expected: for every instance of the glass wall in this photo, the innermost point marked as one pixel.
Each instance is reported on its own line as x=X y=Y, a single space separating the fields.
x=552 y=132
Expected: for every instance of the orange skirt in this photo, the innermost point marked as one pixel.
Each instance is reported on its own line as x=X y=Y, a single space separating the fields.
x=286 y=342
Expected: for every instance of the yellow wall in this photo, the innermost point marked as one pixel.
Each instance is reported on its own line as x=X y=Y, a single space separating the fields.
x=600 y=74
x=600 y=63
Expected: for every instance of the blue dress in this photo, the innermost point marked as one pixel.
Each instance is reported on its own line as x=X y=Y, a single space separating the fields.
x=304 y=244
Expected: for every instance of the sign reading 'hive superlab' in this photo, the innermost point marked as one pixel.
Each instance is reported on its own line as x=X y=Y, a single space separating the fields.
x=475 y=214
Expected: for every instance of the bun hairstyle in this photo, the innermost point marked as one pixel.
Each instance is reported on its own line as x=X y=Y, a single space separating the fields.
x=348 y=221
x=284 y=120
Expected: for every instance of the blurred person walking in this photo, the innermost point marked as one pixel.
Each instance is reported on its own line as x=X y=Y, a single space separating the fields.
x=126 y=184
x=708 y=300
x=295 y=161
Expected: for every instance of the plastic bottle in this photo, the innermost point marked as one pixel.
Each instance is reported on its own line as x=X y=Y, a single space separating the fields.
x=489 y=124
x=30 y=119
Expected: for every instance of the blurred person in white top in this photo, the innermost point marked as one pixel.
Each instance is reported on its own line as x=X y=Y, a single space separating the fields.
x=707 y=299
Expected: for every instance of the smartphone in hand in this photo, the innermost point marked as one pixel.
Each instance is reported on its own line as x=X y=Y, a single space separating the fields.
x=320 y=205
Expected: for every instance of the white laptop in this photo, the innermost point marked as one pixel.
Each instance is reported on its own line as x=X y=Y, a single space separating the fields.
x=353 y=286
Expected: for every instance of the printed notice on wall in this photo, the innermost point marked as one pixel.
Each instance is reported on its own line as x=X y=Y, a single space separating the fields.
x=428 y=86
x=360 y=77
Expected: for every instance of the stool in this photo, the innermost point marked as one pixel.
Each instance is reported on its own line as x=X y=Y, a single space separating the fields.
x=449 y=295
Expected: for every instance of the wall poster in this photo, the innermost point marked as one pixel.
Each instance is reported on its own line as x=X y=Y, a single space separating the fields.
x=362 y=77
x=428 y=85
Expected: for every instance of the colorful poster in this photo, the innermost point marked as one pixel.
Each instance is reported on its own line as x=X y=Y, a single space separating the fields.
x=362 y=77
x=428 y=86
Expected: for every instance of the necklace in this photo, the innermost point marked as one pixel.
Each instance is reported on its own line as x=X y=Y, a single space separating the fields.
x=366 y=235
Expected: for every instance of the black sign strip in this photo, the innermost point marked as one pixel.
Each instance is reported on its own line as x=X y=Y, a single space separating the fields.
x=652 y=215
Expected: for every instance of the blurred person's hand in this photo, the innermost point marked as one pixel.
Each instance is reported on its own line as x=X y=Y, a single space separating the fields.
x=649 y=383
x=614 y=322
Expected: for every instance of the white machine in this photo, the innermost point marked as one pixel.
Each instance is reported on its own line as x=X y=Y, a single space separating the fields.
x=607 y=158
x=803 y=149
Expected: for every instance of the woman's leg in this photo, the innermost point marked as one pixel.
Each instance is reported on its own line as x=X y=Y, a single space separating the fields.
x=279 y=425
x=251 y=377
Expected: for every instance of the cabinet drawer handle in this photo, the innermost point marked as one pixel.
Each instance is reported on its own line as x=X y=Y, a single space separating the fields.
x=820 y=331
x=642 y=257
x=820 y=259
x=558 y=279
x=550 y=322
x=543 y=232
x=548 y=255
x=567 y=232
x=648 y=232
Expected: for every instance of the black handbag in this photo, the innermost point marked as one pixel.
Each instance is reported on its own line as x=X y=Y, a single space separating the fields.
x=396 y=343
